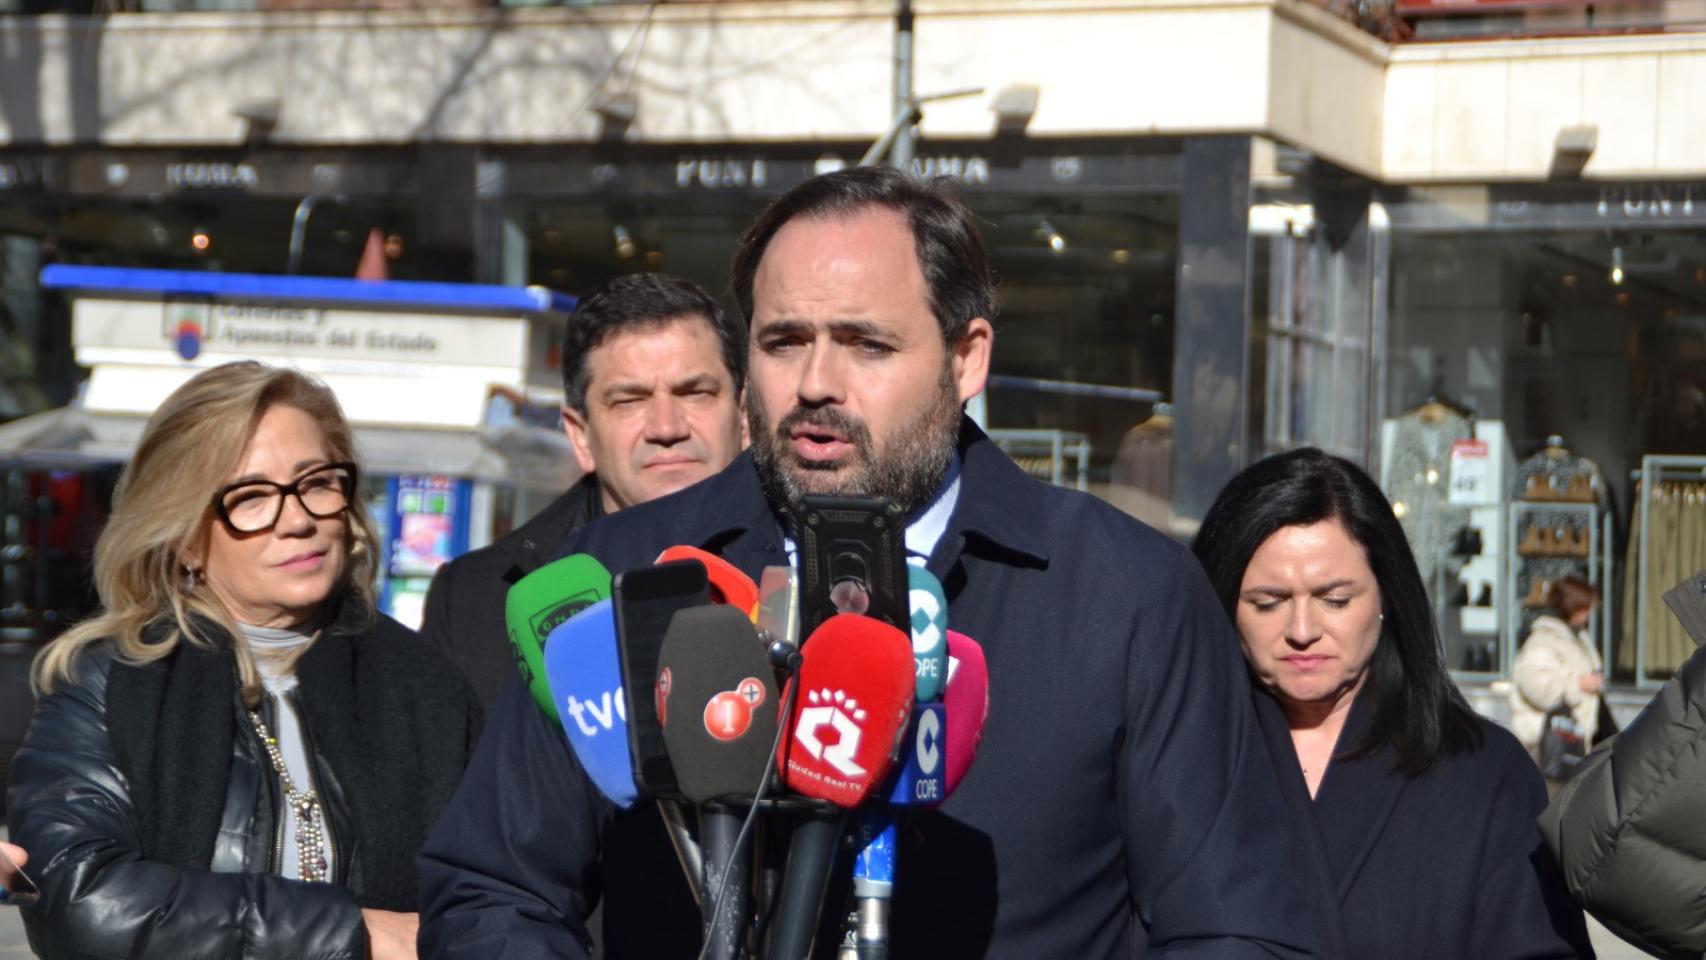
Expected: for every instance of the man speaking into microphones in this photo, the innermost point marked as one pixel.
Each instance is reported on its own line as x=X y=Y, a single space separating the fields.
x=1122 y=799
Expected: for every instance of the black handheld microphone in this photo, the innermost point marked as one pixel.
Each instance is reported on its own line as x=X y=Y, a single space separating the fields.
x=716 y=698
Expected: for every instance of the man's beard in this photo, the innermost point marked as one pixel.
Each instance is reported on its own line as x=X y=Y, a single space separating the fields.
x=907 y=471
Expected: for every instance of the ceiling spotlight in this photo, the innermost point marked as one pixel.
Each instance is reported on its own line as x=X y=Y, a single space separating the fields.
x=1014 y=107
x=624 y=241
x=1617 y=266
x=1120 y=255
x=616 y=112
x=1572 y=148
x=200 y=240
x=1051 y=236
x=1568 y=279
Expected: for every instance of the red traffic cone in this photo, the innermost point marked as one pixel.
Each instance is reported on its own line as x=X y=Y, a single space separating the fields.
x=373 y=265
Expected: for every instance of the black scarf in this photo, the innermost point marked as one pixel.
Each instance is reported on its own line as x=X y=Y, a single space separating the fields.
x=394 y=722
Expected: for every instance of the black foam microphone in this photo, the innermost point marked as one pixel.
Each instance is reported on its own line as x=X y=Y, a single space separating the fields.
x=717 y=697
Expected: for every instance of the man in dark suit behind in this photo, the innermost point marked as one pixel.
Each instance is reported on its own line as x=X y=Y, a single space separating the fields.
x=1122 y=798
x=653 y=370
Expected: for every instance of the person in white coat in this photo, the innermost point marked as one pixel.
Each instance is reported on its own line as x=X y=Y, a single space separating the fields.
x=1558 y=665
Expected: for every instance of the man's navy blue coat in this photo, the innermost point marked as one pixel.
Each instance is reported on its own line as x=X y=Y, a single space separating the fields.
x=1123 y=794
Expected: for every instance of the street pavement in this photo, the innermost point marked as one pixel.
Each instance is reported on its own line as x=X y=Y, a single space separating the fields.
x=13 y=945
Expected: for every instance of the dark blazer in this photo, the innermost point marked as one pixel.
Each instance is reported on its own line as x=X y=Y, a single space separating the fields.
x=1447 y=864
x=1123 y=793
x=464 y=616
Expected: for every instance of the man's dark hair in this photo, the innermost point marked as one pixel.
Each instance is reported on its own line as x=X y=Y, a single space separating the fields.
x=1417 y=708
x=950 y=250
x=639 y=301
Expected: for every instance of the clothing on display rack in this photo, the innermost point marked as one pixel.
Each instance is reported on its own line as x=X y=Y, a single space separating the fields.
x=1676 y=531
x=1418 y=482
x=1145 y=456
x=1558 y=499
x=1555 y=475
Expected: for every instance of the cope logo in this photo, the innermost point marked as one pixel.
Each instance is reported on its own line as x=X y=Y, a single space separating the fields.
x=929 y=742
x=832 y=710
x=929 y=622
x=660 y=696
x=728 y=715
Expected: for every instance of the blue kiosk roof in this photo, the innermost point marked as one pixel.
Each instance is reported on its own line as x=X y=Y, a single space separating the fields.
x=486 y=298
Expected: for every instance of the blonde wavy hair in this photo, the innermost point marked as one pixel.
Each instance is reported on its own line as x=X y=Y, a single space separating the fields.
x=164 y=502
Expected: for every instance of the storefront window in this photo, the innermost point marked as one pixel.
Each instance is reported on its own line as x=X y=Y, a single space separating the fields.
x=1567 y=325
x=1311 y=328
x=1085 y=342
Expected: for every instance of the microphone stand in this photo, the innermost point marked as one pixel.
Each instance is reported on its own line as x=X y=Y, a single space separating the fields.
x=726 y=906
x=811 y=857
x=674 y=815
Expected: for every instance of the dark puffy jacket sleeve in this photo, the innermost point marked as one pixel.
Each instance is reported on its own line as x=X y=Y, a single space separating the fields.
x=1627 y=827
x=69 y=806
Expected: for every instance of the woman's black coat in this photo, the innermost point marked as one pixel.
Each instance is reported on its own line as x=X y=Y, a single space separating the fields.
x=150 y=812
x=1445 y=864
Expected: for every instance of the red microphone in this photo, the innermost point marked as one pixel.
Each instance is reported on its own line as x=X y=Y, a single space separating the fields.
x=856 y=682
x=728 y=584
x=967 y=702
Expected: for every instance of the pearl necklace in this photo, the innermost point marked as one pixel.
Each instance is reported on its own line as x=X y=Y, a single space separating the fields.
x=304 y=809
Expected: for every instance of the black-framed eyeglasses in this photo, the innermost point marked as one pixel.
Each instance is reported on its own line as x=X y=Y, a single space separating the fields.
x=253 y=506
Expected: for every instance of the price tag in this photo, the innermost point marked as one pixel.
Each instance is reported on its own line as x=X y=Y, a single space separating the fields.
x=1471 y=479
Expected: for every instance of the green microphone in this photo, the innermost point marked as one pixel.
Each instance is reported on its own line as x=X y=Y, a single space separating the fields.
x=541 y=601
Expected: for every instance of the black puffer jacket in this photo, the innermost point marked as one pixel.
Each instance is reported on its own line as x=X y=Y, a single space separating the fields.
x=1629 y=827
x=108 y=851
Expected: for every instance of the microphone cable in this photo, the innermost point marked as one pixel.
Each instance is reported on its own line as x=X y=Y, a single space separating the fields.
x=720 y=892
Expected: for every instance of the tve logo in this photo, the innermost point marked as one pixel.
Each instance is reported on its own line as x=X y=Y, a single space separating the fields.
x=604 y=711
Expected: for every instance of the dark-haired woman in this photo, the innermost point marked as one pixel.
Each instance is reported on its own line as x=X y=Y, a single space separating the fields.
x=1418 y=816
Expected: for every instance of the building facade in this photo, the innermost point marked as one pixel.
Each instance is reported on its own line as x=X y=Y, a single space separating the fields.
x=1223 y=227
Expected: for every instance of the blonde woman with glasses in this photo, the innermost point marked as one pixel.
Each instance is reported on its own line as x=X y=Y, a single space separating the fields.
x=238 y=756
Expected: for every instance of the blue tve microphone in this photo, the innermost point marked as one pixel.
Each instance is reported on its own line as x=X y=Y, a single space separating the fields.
x=584 y=671
x=585 y=676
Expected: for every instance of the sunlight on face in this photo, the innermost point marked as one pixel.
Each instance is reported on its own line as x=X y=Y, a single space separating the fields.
x=1308 y=613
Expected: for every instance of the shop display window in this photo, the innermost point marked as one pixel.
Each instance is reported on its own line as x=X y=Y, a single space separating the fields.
x=1577 y=323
